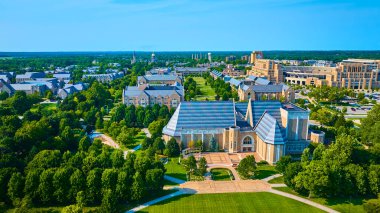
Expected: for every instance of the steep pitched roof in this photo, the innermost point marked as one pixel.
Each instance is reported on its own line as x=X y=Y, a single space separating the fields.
x=269 y=130
x=271 y=107
x=201 y=115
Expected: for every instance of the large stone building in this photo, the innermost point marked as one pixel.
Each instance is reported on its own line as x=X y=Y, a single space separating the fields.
x=280 y=92
x=148 y=95
x=351 y=73
x=159 y=79
x=231 y=71
x=270 y=128
x=184 y=71
x=268 y=69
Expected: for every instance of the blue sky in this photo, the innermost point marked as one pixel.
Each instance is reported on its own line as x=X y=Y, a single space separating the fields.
x=180 y=25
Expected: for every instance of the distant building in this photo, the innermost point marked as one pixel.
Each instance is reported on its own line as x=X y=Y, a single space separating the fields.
x=70 y=89
x=153 y=58
x=280 y=92
x=255 y=55
x=147 y=95
x=351 y=74
x=29 y=89
x=104 y=78
x=230 y=58
x=29 y=76
x=7 y=77
x=216 y=74
x=231 y=71
x=209 y=57
x=159 y=79
x=159 y=71
x=62 y=76
x=271 y=129
x=6 y=87
x=269 y=69
x=184 y=71
x=133 y=60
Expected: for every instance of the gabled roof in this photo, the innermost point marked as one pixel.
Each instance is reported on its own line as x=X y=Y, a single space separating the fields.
x=271 y=107
x=201 y=115
x=269 y=130
x=262 y=81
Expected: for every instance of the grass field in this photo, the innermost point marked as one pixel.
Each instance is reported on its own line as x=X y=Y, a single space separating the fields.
x=339 y=204
x=231 y=202
x=174 y=169
x=137 y=140
x=220 y=174
x=44 y=107
x=206 y=90
x=265 y=171
x=277 y=180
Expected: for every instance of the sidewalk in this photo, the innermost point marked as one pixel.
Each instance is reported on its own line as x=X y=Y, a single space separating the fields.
x=303 y=200
x=174 y=180
x=138 y=208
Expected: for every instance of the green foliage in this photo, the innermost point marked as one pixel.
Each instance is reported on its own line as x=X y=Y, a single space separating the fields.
x=172 y=148
x=283 y=162
x=247 y=167
x=202 y=166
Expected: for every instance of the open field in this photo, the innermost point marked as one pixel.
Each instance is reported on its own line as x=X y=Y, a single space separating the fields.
x=220 y=174
x=206 y=90
x=339 y=204
x=231 y=202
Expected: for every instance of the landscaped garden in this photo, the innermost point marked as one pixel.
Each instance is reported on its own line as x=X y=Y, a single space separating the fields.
x=206 y=90
x=231 y=202
x=277 y=180
x=221 y=174
x=339 y=204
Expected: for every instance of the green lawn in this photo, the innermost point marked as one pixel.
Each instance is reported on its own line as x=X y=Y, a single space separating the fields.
x=206 y=90
x=339 y=204
x=277 y=180
x=44 y=107
x=231 y=202
x=265 y=171
x=174 y=169
x=220 y=174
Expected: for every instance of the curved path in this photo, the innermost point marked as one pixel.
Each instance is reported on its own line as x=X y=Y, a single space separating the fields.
x=210 y=187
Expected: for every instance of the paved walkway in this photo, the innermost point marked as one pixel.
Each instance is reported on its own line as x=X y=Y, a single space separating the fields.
x=174 y=180
x=138 y=208
x=303 y=200
x=210 y=187
x=271 y=177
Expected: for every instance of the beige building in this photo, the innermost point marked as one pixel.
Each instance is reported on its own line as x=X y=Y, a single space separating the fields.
x=279 y=92
x=269 y=69
x=351 y=73
x=147 y=95
x=159 y=79
x=270 y=128
x=231 y=71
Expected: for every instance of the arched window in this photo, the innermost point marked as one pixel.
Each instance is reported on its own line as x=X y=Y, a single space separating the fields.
x=247 y=140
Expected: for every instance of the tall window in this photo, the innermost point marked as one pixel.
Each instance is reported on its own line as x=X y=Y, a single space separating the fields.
x=247 y=140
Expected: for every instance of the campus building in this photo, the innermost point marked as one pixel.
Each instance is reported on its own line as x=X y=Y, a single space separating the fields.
x=270 y=128
x=268 y=69
x=184 y=71
x=231 y=71
x=159 y=79
x=280 y=92
x=351 y=74
x=148 y=95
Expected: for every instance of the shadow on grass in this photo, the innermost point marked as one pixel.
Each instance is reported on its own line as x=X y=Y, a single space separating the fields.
x=261 y=174
x=220 y=174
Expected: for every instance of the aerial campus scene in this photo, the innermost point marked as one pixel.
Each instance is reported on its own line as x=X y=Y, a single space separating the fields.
x=189 y=106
